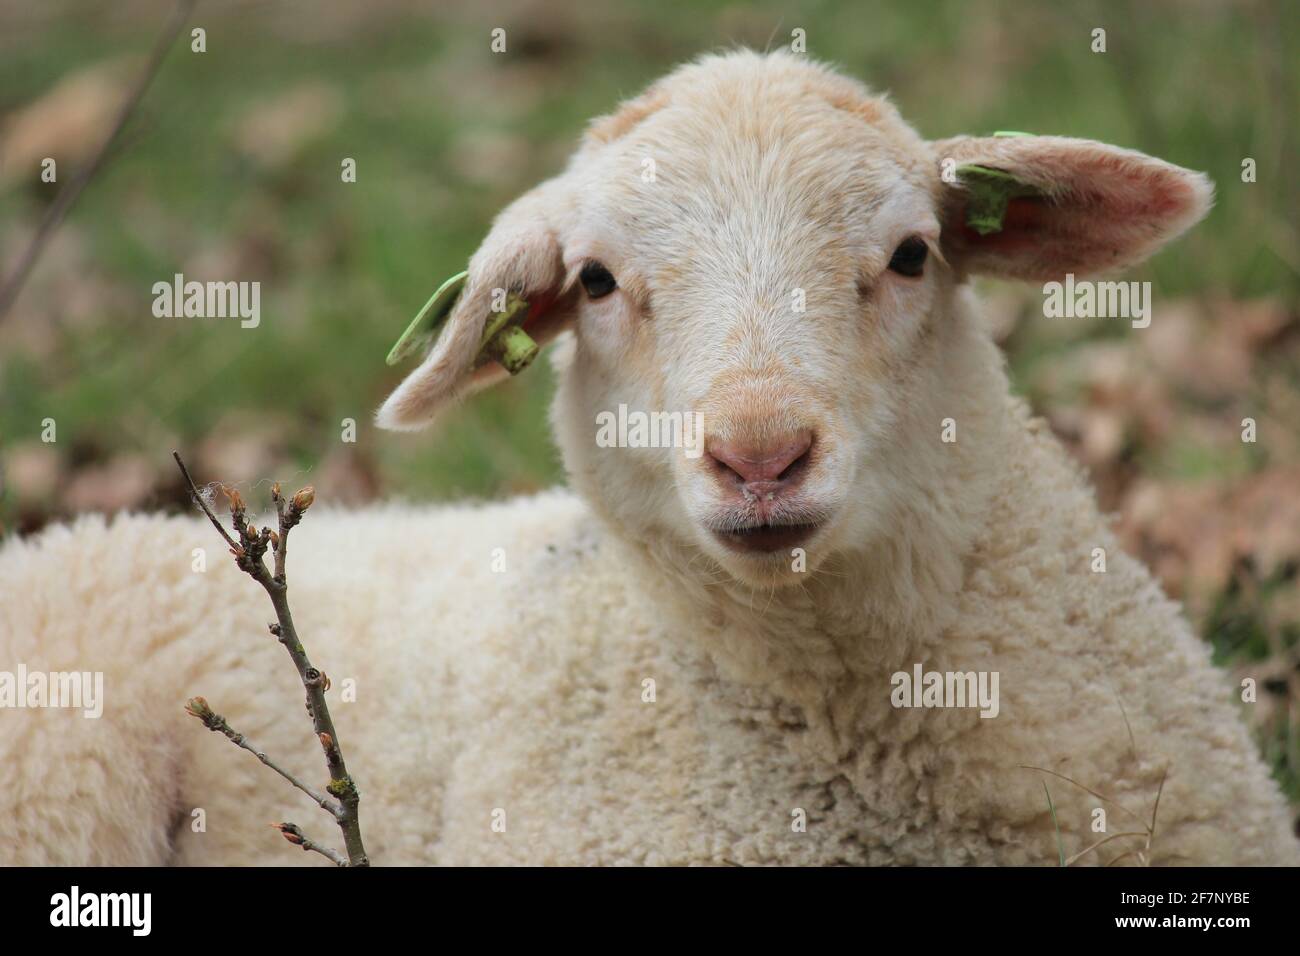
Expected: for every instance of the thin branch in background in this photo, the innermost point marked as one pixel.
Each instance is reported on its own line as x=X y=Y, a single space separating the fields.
x=69 y=193
x=249 y=551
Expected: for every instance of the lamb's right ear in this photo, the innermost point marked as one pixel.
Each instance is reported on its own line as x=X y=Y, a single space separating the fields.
x=521 y=254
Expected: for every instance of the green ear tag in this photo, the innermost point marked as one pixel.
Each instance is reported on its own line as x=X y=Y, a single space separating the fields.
x=989 y=191
x=504 y=340
x=424 y=327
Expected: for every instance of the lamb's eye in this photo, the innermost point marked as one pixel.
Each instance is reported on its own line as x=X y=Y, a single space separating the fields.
x=597 y=280
x=909 y=257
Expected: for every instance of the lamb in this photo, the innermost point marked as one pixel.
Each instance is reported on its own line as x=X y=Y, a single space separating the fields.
x=691 y=659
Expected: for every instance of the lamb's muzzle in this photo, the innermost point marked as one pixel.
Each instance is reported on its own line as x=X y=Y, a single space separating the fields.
x=755 y=481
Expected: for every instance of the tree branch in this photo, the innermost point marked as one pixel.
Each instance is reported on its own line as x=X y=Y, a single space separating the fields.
x=293 y=833
x=198 y=500
x=199 y=708
x=249 y=551
x=69 y=193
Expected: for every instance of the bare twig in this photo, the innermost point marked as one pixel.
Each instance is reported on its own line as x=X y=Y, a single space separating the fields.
x=199 y=708
x=293 y=833
x=282 y=545
x=198 y=499
x=69 y=193
x=249 y=551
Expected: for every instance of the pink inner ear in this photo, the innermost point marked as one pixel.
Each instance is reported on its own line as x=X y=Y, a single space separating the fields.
x=1086 y=231
x=1027 y=221
x=1101 y=208
x=543 y=323
x=538 y=306
x=549 y=313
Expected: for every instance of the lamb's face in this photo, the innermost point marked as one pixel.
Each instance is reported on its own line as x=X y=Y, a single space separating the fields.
x=759 y=262
x=754 y=245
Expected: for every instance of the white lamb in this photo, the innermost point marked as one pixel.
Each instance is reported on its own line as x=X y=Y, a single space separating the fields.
x=828 y=538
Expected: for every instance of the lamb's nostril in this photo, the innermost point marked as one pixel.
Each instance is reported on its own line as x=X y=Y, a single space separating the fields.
x=794 y=469
x=771 y=464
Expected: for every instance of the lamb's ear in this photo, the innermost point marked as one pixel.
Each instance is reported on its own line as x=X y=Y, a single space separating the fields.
x=521 y=254
x=1074 y=205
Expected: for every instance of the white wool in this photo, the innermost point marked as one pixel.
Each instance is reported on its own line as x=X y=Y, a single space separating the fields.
x=623 y=690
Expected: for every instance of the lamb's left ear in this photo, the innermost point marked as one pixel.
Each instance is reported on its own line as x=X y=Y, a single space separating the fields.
x=521 y=255
x=1072 y=205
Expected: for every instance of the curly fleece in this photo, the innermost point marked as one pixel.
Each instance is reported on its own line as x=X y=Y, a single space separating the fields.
x=524 y=692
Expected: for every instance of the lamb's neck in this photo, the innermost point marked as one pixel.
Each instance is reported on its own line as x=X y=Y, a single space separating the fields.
x=860 y=614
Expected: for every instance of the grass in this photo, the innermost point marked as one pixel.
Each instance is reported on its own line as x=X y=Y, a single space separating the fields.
x=1051 y=808
x=1147 y=833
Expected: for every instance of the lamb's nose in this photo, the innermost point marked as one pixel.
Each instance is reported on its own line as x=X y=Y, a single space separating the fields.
x=762 y=468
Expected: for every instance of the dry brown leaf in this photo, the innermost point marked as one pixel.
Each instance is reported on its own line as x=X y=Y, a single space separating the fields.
x=124 y=481
x=67 y=123
x=275 y=131
x=30 y=472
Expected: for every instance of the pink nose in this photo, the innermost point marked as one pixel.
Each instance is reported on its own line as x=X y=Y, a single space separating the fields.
x=762 y=468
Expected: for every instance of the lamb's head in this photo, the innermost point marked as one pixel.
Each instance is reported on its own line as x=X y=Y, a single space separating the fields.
x=759 y=245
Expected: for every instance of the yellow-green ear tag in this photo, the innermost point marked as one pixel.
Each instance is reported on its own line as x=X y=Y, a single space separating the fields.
x=424 y=327
x=989 y=191
x=504 y=340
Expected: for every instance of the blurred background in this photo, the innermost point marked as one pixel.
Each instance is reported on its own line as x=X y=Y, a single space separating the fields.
x=230 y=169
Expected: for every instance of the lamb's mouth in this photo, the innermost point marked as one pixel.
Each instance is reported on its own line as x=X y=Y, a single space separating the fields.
x=763 y=538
